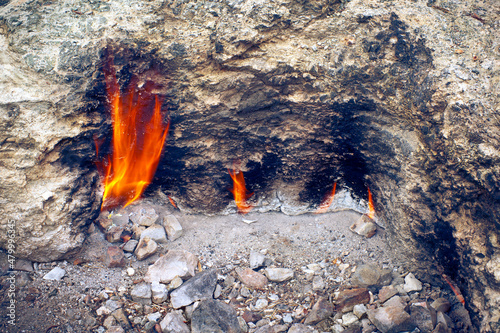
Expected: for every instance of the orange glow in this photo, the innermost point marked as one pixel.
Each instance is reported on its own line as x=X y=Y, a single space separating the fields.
x=138 y=139
x=239 y=192
x=172 y=202
x=371 y=207
x=327 y=201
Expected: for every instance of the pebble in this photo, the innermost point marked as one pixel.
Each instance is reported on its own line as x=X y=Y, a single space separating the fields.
x=300 y=328
x=441 y=304
x=159 y=292
x=391 y=319
x=261 y=304
x=176 y=263
x=411 y=283
x=364 y=226
x=130 y=271
x=349 y=297
x=318 y=283
x=256 y=260
x=172 y=227
x=114 y=234
x=386 y=292
x=130 y=245
x=349 y=318
x=122 y=319
x=115 y=329
x=155 y=316
x=141 y=293
x=396 y=301
x=321 y=310
x=214 y=316
x=287 y=318
x=109 y=321
x=251 y=278
x=146 y=248
x=114 y=257
x=367 y=275
x=251 y=316
x=359 y=310
x=23 y=265
x=423 y=317
x=56 y=274
x=278 y=274
x=337 y=328
x=145 y=216
x=199 y=287
x=175 y=283
x=155 y=232
x=174 y=322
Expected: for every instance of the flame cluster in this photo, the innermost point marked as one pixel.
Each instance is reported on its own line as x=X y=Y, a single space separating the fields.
x=240 y=192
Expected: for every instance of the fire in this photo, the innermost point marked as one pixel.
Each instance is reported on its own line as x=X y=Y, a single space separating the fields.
x=137 y=143
x=327 y=201
x=240 y=192
x=371 y=207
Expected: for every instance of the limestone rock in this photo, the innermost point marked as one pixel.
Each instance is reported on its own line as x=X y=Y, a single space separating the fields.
x=145 y=248
x=278 y=274
x=199 y=287
x=364 y=226
x=176 y=263
x=130 y=245
x=141 y=293
x=172 y=227
x=214 y=316
x=411 y=283
x=159 y=292
x=251 y=278
x=155 y=232
x=56 y=273
x=143 y=215
x=256 y=260
x=321 y=310
x=174 y=322
x=391 y=319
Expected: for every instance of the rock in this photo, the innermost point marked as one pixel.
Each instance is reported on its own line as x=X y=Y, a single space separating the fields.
x=251 y=278
x=115 y=329
x=391 y=319
x=154 y=317
x=278 y=274
x=121 y=318
x=349 y=297
x=444 y=319
x=411 y=283
x=321 y=310
x=215 y=317
x=367 y=275
x=261 y=304
x=396 y=301
x=145 y=248
x=23 y=265
x=441 y=328
x=114 y=234
x=337 y=328
x=175 y=283
x=130 y=245
x=386 y=292
x=349 y=318
x=172 y=227
x=441 y=304
x=359 y=310
x=199 y=287
x=114 y=257
x=141 y=293
x=113 y=305
x=301 y=328
x=176 y=263
x=145 y=216
x=174 y=322
x=137 y=230
x=423 y=317
x=155 y=232
x=56 y=273
x=130 y=271
x=217 y=291
x=364 y=226
x=251 y=316
x=256 y=260
x=104 y=223
x=159 y=292
x=109 y=321
x=318 y=283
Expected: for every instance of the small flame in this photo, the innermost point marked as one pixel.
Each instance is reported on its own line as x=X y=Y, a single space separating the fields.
x=172 y=202
x=327 y=201
x=240 y=192
x=137 y=143
x=371 y=207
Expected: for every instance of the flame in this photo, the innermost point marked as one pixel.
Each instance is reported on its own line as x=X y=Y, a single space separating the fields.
x=239 y=192
x=371 y=207
x=327 y=201
x=137 y=143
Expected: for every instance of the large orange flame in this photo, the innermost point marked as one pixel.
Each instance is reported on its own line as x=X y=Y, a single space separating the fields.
x=137 y=143
x=327 y=201
x=371 y=207
x=240 y=192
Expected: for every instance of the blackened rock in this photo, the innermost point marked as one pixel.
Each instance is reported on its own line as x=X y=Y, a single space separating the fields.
x=423 y=318
x=215 y=317
x=199 y=287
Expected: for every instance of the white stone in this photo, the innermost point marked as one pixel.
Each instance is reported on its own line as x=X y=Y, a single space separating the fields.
x=173 y=227
x=175 y=283
x=261 y=304
x=145 y=248
x=103 y=310
x=155 y=232
x=141 y=293
x=349 y=319
x=278 y=274
x=359 y=310
x=256 y=259
x=159 y=292
x=154 y=317
x=411 y=283
x=337 y=328
x=174 y=322
x=176 y=263
x=287 y=318
x=318 y=283
x=56 y=273
x=130 y=271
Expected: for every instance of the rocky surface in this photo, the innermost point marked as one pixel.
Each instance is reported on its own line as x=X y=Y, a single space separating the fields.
x=400 y=96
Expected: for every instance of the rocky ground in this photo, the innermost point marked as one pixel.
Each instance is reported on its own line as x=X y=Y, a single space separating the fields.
x=149 y=268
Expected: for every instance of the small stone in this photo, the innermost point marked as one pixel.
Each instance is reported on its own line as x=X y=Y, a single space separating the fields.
x=155 y=232
x=155 y=316
x=300 y=328
x=159 y=292
x=367 y=275
x=56 y=273
x=251 y=278
x=120 y=218
x=115 y=329
x=245 y=292
x=137 y=230
x=423 y=317
x=130 y=245
x=396 y=301
x=218 y=291
x=109 y=321
x=176 y=263
x=261 y=304
x=141 y=293
x=214 y=316
x=122 y=319
x=104 y=223
x=174 y=322
x=256 y=260
x=146 y=248
x=279 y=274
x=145 y=216
x=175 y=283
x=321 y=310
x=114 y=234
x=251 y=316
x=243 y=324
x=364 y=226
x=359 y=310
x=172 y=227
x=441 y=304
x=441 y=328
x=386 y=292
x=337 y=328
x=318 y=283
x=103 y=310
x=114 y=257
x=390 y=319
x=348 y=298
x=23 y=265
x=445 y=319
x=199 y=287
x=349 y=318
x=287 y=318
x=130 y=271
x=411 y=283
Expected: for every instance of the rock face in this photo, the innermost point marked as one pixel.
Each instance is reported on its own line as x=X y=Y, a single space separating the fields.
x=400 y=96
